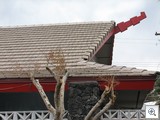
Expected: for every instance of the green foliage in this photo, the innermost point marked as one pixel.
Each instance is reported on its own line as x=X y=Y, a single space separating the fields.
x=157 y=85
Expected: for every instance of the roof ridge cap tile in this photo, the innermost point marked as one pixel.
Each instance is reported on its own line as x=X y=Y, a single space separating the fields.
x=131 y=68
x=57 y=24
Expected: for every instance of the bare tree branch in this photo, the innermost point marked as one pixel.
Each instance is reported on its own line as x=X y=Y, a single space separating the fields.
x=50 y=71
x=62 y=90
x=57 y=92
x=42 y=94
x=98 y=104
x=92 y=115
x=57 y=60
x=108 y=105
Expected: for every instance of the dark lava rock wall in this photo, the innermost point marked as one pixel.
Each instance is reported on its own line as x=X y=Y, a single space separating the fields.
x=82 y=97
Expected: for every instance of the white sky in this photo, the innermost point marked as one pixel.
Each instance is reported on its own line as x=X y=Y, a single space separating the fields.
x=136 y=47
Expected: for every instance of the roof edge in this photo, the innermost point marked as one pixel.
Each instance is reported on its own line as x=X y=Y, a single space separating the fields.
x=52 y=24
x=108 y=35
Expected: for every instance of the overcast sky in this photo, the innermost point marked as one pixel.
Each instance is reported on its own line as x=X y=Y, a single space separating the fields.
x=136 y=47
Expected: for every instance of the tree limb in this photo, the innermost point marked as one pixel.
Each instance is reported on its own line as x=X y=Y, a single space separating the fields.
x=57 y=90
x=92 y=115
x=59 y=96
x=108 y=105
x=42 y=94
x=52 y=73
x=98 y=104
x=62 y=90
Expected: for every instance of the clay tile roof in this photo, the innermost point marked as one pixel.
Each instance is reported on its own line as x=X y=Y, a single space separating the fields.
x=25 y=46
x=102 y=70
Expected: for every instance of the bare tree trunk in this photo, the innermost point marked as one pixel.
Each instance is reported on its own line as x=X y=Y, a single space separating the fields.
x=62 y=90
x=59 y=97
x=43 y=94
x=59 y=94
x=97 y=105
x=60 y=74
x=58 y=115
x=92 y=115
x=57 y=90
x=106 y=107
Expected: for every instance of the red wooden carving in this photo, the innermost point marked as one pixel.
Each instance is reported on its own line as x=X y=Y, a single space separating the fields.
x=133 y=21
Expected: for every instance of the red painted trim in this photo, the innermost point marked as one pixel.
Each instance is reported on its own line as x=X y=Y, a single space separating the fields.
x=132 y=85
x=125 y=83
x=102 y=44
x=77 y=79
x=27 y=87
x=120 y=28
x=133 y=21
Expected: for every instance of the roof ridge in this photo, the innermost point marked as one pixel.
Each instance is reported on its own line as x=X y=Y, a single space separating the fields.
x=55 y=24
x=104 y=65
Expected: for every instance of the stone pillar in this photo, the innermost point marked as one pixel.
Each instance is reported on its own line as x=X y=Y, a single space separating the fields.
x=82 y=97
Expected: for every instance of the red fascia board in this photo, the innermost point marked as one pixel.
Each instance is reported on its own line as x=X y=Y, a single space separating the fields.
x=110 y=34
x=131 y=85
x=125 y=83
x=25 y=87
x=48 y=87
x=133 y=82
